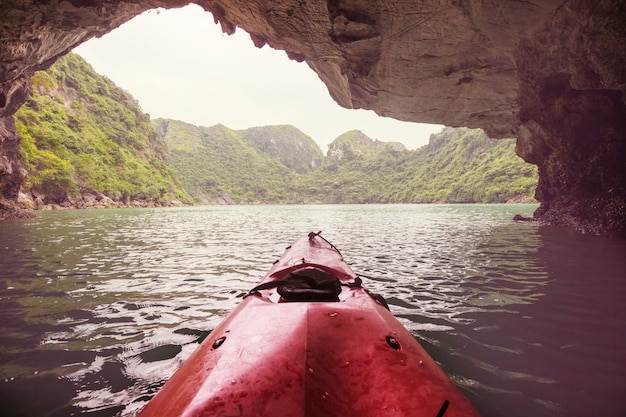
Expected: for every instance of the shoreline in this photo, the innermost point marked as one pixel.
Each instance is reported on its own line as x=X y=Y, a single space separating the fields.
x=26 y=207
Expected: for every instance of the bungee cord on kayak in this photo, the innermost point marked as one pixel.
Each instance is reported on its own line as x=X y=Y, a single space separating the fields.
x=319 y=234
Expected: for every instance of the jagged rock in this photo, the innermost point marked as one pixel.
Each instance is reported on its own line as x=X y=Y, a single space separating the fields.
x=520 y=218
x=550 y=72
x=39 y=204
x=286 y=143
x=88 y=197
x=226 y=199
x=25 y=201
x=356 y=144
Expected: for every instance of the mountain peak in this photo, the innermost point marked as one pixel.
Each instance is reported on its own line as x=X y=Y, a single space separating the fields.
x=288 y=144
x=354 y=144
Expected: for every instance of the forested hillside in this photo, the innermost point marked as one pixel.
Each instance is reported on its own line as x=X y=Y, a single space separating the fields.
x=458 y=166
x=86 y=141
x=465 y=166
x=217 y=164
x=356 y=145
x=286 y=143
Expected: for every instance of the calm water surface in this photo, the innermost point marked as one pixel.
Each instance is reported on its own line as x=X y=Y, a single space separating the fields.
x=98 y=308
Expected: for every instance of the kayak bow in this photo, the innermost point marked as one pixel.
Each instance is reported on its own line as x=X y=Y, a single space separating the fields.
x=310 y=341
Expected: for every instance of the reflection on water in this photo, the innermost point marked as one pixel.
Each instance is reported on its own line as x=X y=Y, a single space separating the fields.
x=556 y=345
x=98 y=308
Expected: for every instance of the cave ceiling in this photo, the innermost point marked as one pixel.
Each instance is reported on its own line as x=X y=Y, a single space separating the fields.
x=550 y=73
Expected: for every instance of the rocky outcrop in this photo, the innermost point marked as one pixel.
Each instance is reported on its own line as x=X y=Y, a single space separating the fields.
x=572 y=117
x=356 y=144
x=552 y=73
x=286 y=143
x=12 y=172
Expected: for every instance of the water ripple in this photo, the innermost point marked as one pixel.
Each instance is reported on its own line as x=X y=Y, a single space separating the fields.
x=104 y=305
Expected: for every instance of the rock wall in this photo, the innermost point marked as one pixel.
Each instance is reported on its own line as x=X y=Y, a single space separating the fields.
x=12 y=172
x=572 y=116
x=552 y=73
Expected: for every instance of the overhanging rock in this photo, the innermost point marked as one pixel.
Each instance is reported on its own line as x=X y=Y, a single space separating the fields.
x=551 y=73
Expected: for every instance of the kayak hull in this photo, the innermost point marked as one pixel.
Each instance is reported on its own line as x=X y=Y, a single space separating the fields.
x=306 y=359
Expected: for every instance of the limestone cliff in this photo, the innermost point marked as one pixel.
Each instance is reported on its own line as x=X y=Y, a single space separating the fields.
x=355 y=144
x=552 y=73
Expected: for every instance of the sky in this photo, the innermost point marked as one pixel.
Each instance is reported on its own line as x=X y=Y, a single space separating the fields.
x=179 y=65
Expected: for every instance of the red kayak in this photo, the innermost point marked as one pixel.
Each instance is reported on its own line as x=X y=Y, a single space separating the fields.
x=310 y=341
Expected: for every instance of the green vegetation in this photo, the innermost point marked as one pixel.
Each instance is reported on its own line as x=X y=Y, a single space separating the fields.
x=356 y=145
x=458 y=166
x=82 y=133
x=216 y=165
x=286 y=143
x=461 y=166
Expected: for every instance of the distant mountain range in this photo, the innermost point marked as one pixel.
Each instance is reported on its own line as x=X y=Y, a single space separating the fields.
x=280 y=164
x=86 y=142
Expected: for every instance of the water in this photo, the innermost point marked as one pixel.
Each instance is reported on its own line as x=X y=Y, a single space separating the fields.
x=98 y=308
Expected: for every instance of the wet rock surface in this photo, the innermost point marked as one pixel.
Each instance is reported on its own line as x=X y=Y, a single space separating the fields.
x=551 y=73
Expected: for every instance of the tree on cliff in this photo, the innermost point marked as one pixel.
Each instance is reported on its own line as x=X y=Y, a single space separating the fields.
x=80 y=132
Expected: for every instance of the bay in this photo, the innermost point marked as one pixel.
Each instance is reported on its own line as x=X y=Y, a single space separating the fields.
x=99 y=307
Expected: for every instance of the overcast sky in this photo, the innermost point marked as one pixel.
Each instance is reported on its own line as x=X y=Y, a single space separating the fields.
x=179 y=65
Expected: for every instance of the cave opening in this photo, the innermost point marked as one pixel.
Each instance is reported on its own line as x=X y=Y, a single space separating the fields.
x=228 y=81
x=180 y=65
x=487 y=68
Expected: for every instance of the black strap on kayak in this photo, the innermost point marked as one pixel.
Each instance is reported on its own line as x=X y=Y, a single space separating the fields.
x=443 y=408
x=357 y=283
x=261 y=287
x=310 y=284
x=378 y=298
x=306 y=284
x=313 y=284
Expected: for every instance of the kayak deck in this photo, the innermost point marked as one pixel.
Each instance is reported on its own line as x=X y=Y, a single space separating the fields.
x=348 y=357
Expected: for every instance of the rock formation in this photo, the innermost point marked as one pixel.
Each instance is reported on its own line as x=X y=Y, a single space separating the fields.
x=551 y=73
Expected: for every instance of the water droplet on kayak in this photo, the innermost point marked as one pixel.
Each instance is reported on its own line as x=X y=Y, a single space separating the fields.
x=311 y=370
x=333 y=314
x=325 y=395
x=344 y=364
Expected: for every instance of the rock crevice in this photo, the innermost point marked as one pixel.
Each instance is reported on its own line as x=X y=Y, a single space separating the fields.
x=550 y=72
